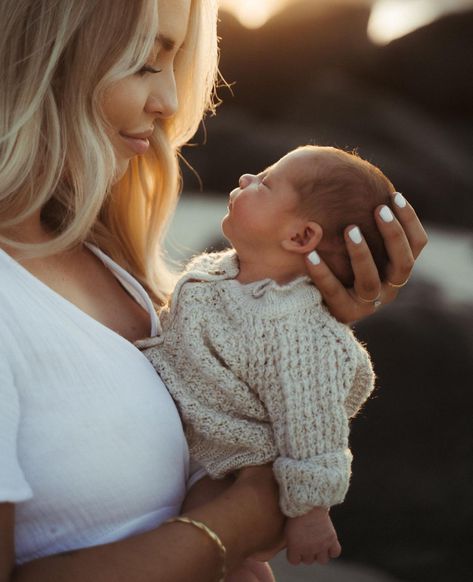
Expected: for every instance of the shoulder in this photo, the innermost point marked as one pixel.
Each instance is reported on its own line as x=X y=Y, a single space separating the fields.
x=201 y=271
x=209 y=265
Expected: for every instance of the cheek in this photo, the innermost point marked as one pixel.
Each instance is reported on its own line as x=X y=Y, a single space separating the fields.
x=241 y=212
x=250 y=218
x=122 y=103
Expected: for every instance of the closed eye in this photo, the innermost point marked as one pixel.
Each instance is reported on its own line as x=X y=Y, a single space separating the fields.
x=149 y=69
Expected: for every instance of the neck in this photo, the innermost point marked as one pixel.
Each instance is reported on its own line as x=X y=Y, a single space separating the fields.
x=282 y=269
x=30 y=231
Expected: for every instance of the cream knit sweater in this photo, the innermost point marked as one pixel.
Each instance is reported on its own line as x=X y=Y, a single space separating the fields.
x=262 y=372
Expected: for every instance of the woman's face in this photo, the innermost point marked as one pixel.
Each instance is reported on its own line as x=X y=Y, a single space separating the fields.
x=133 y=104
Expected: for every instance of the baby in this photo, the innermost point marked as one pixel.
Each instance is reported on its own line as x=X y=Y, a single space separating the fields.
x=259 y=368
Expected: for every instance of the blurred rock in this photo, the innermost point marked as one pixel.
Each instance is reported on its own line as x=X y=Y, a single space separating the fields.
x=433 y=66
x=272 y=65
x=311 y=76
x=335 y=571
x=409 y=508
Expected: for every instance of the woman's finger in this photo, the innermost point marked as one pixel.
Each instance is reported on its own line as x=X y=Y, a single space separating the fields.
x=401 y=259
x=367 y=285
x=343 y=304
x=411 y=224
x=335 y=295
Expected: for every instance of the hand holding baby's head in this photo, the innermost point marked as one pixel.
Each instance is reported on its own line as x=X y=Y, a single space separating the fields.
x=302 y=202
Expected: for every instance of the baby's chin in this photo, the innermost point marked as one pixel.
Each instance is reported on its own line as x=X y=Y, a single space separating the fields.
x=224 y=230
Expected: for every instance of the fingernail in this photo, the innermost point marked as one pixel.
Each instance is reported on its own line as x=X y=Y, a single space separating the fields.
x=314 y=258
x=399 y=200
x=355 y=235
x=386 y=214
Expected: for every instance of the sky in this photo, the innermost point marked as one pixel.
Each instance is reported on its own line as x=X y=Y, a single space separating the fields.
x=390 y=19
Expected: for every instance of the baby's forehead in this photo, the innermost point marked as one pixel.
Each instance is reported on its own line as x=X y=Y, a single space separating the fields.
x=300 y=164
x=304 y=159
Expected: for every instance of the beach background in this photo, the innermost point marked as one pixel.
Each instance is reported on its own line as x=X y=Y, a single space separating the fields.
x=393 y=79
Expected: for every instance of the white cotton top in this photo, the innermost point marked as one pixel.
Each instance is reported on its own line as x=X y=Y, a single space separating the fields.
x=92 y=448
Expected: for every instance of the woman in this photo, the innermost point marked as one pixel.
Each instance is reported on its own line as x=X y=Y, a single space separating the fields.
x=92 y=452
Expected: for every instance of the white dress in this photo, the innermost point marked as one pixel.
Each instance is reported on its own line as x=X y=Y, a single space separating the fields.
x=91 y=445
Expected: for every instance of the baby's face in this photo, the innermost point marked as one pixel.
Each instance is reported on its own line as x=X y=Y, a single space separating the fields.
x=263 y=206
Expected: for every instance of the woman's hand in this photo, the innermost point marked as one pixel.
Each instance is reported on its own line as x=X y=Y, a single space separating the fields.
x=254 y=568
x=269 y=520
x=404 y=239
x=251 y=508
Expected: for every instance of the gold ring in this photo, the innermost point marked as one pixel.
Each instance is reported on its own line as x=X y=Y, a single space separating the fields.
x=397 y=286
x=375 y=300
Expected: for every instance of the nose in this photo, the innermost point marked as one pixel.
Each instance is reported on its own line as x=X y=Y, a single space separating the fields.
x=162 y=101
x=245 y=180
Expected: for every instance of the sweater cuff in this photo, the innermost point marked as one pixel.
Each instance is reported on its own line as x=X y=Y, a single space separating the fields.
x=318 y=481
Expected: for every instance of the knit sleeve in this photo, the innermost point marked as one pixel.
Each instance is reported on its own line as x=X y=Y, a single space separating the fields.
x=305 y=401
x=363 y=383
x=13 y=485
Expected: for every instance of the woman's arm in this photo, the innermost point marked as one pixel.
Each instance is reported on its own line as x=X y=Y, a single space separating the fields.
x=404 y=238
x=246 y=517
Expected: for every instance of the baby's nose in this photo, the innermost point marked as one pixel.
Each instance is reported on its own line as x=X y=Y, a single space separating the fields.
x=245 y=180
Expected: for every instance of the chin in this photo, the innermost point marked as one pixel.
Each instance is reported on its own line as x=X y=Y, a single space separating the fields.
x=224 y=226
x=120 y=170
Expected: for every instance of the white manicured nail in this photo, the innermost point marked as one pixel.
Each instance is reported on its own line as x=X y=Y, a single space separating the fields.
x=314 y=258
x=386 y=214
x=399 y=200
x=355 y=235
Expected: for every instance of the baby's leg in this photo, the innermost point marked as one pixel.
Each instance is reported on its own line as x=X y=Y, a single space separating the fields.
x=252 y=571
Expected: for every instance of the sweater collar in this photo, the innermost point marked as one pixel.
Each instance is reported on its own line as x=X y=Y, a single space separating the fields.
x=224 y=265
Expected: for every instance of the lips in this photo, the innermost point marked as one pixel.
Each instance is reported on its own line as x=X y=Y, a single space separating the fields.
x=231 y=198
x=233 y=194
x=139 y=143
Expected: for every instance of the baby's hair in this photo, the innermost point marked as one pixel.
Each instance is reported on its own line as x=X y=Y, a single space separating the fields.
x=340 y=189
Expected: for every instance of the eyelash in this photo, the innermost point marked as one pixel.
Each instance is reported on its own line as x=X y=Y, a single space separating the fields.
x=148 y=69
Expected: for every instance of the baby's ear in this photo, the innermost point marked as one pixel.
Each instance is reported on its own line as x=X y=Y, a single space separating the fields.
x=305 y=240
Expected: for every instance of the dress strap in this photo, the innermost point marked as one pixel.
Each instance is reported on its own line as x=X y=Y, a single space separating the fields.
x=130 y=284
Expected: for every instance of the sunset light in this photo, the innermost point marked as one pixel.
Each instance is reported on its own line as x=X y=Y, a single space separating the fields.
x=391 y=19
x=252 y=13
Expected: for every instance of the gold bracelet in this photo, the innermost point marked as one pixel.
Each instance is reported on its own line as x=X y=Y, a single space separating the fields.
x=211 y=534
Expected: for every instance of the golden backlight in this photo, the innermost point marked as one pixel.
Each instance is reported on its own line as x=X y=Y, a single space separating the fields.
x=253 y=13
x=390 y=19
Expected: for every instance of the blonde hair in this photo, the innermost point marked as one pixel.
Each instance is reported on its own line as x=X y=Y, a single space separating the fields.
x=57 y=58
